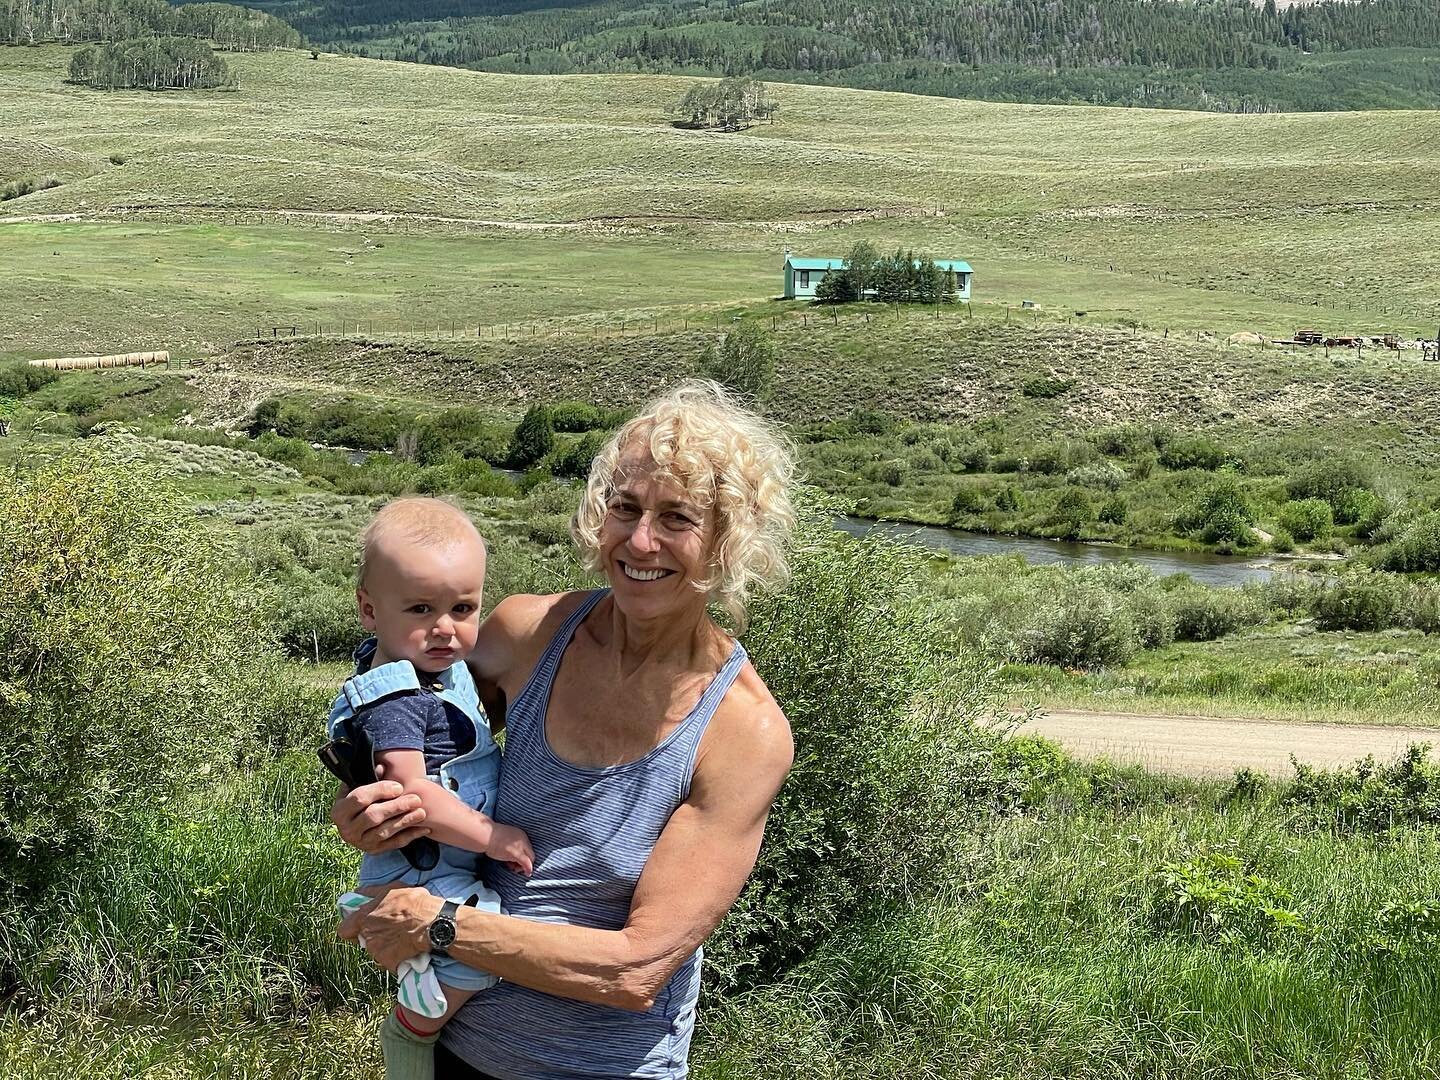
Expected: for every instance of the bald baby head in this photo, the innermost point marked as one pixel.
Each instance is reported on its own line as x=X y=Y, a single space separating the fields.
x=414 y=523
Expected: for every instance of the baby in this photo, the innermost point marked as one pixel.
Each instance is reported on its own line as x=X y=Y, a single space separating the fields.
x=422 y=570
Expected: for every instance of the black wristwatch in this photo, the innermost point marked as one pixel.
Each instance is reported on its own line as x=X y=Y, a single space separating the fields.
x=442 y=930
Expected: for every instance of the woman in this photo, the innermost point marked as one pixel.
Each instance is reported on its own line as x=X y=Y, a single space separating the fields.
x=642 y=755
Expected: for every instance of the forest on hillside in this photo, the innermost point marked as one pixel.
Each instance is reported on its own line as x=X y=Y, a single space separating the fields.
x=230 y=27
x=1216 y=54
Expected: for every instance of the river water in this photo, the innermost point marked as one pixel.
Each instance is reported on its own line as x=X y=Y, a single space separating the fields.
x=1206 y=569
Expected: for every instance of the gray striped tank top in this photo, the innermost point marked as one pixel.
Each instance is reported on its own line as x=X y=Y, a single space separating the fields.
x=593 y=831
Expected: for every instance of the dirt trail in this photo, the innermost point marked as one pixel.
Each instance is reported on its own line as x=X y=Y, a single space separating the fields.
x=1216 y=745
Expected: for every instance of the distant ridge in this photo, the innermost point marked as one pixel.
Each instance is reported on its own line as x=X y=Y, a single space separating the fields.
x=1218 y=55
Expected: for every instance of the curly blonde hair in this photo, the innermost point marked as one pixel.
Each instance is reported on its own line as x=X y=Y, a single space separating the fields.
x=731 y=464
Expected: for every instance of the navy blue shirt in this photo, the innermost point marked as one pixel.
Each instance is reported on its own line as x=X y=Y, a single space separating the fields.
x=417 y=721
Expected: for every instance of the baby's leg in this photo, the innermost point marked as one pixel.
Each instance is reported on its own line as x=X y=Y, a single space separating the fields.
x=408 y=1038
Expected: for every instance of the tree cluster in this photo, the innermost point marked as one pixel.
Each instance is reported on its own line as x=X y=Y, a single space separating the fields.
x=1230 y=55
x=900 y=278
x=730 y=104
x=230 y=27
x=151 y=64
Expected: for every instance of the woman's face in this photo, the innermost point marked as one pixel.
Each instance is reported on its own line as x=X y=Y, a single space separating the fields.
x=655 y=541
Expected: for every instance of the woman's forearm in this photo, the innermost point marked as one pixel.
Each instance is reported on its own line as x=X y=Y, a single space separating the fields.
x=619 y=968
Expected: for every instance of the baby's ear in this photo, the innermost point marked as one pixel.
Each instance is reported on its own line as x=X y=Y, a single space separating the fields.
x=367 y=609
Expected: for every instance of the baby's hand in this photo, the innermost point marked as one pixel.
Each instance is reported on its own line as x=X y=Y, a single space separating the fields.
x=512 y=847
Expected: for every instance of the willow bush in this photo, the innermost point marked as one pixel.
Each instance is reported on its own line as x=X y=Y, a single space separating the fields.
x=893 y=753
x=129 y=661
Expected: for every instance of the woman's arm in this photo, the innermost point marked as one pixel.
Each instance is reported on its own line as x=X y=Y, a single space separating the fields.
x=696 y=871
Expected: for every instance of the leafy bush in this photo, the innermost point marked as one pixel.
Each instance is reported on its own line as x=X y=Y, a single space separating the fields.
x=1335 y=480
x=1216 y=897
x=1072 y=512
x=129 y=661
x=1281 y=540
x=891 y=473
x=1101 y=474
x=1416 y=548
x=1307 y=519
x=1368 y=797
x=1114 y=510
x=17 y=380
x=578 y=417
x=1209 y=614
x=1085 y=627
x=575 y=459
x=534 y=438
x=745 y=361
x=969 y=500
x=1360 y=600
x=1046 y=386
x=884 y=780
x=1194 y=452
x=462 y=431
x=1220 y=512
x=314 y=619
x=1057 y=456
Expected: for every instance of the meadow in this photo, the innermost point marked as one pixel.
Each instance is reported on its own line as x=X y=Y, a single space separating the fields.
x=230 y=211
x=472 y=245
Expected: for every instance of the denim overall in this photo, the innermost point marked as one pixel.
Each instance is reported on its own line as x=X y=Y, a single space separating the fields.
x=473 y=778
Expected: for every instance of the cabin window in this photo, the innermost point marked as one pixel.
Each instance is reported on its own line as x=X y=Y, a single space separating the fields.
x=804 y=279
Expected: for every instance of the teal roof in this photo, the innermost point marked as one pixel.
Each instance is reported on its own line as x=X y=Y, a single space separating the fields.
x=814 y=264
x=960 y=266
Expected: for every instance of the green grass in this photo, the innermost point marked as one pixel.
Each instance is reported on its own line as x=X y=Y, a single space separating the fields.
x=1276 y=673
x=247 y=201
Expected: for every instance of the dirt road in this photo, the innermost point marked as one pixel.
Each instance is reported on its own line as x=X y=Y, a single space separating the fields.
x=1217 y=746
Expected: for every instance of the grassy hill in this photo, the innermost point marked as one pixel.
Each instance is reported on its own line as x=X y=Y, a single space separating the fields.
x=347 y=189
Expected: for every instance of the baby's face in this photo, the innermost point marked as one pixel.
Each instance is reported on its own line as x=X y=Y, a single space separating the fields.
x=422 y=602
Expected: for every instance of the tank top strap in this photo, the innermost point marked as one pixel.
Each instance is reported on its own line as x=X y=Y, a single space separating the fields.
x=687 y=739
x=537 y=687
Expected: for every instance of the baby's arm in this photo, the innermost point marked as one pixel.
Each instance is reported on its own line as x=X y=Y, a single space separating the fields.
x=449 y=820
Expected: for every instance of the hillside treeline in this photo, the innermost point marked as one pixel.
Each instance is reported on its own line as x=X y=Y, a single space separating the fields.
x=1168 y=52
x=230 y=27
x=151 y=64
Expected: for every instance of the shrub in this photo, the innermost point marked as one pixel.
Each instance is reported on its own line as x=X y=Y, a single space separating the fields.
x=1363 y=509
x=1334 y=480
x=1084 y=627
x=118 y=159
x=578 y=417
x=462 y=431
x=1307 y=519
x=1417 y=547
x=1123 y=440
x=534 y=438
x=19 y=379
x=973 y=457
x=549 y=529
x=1194 y=452
x=574 y=460
x=968 y=500
x=745 y=361
x=1217 y=897
x=1203 y=614
x=885 y=781
x=1046 y=386
x=1010 y=499
x=1114 y=510
x=892 y=473
x=1152 y=613
x=1072 y=511
x=129 y=661
x=1220 y=512
x=1281 y=540
x=314 y=619
x=1058 y=456
x=1100 y=474
x=1360 y=600
x=1367 y=797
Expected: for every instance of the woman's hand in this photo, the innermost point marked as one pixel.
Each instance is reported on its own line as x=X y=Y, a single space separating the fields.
x=378 y=817
x=396 y=926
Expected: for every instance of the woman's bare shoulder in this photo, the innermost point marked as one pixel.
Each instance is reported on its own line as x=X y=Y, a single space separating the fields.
x=750 y=720
x=516 y=632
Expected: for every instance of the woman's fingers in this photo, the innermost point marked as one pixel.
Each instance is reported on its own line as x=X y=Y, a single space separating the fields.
x=378 y=817
x=394 y=926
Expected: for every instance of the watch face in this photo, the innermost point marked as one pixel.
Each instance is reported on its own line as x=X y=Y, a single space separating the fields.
x=442 y=932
